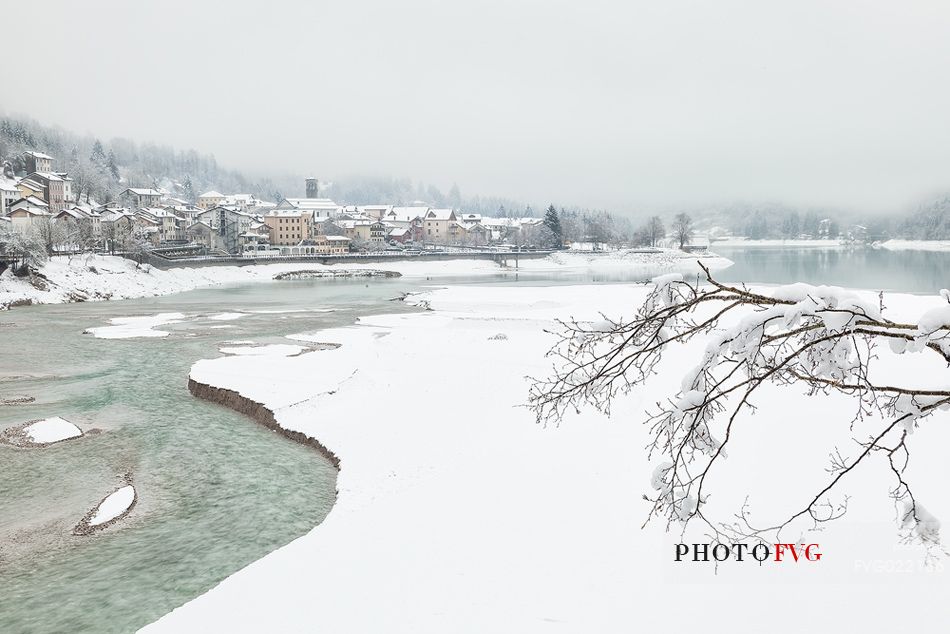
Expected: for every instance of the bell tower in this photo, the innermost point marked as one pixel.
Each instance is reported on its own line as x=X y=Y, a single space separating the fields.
x=312 y=187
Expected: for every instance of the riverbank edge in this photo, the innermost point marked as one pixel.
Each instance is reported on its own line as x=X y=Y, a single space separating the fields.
x=111 y=278
x=262 y=415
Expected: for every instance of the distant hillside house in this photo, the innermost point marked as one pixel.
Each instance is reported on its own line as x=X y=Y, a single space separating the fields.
x=210 y=200
x=38 y=162
x=30 y=188
x=27 y=212
x=53 y=189
x=139 y=197
x=9 y=192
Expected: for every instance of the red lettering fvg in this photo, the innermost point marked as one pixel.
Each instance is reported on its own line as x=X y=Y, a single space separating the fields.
x=742 y=552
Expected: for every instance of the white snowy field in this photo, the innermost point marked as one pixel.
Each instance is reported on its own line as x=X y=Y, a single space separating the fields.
x=89 y=278
x=457 y=513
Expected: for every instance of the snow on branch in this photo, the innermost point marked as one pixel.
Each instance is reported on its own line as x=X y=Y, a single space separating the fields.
x=823 y=338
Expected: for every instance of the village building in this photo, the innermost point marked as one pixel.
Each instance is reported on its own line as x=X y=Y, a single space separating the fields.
x=358 y=230
x=230 y=224
x=9 y=192
x=38 y=162
x=318 y=207
x=67 y=187
x=26 y=213
x=168 y=223
x=377 y=233
x=436 y=225
x=374 y=212
x=319 y=245
x=288 y=227
x=202 y=233
x=140 y=197
x=53 y=189
x=399 y=235
x=29 y=187
x=210 y=200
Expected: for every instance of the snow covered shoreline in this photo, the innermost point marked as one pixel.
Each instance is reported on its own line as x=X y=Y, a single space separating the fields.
x=459 y=513
x=96 y=277
x=915 y=245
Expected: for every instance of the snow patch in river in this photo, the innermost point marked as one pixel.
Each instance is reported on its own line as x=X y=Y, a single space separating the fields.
x=130 y=327
x=50 y=430
x=115 y=505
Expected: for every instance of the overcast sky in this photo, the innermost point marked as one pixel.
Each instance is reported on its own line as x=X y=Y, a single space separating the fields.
x=619 y=104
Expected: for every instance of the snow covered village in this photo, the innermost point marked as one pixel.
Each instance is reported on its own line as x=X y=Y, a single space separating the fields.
x=474 y=317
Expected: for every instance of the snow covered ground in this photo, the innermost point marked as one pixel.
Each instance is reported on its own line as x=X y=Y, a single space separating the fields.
x=457 y=513
x=88 y=278
x=916 y=245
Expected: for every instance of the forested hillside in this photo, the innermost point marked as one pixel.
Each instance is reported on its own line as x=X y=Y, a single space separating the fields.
x=102 y=168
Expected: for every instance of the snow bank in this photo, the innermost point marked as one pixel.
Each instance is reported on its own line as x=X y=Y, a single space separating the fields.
x=50 y=430
x=456 y=512
x=277 y=349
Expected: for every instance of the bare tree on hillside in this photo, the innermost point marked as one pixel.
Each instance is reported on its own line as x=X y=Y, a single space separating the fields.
x=822 y=338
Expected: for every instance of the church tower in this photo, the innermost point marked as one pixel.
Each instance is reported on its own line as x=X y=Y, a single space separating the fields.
x=312 y=187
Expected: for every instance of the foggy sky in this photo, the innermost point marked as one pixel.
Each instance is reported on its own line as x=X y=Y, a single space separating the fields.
x=619 y=104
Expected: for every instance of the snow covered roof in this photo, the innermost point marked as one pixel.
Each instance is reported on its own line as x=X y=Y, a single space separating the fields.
x=49 y=176
x=406 y=214
x=78 y=214
x=211 y=194
x=31 y=200
x=313 y=203
x=143 y=191
x=440 y=214
x=287 y=213
x=337 y=239
x=32 y=205
x=39 y=155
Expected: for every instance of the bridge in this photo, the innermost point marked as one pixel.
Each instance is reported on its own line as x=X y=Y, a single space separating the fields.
x=163 y=260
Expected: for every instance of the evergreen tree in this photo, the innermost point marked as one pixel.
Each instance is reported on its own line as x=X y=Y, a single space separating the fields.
x=98 y=154
x=113 y=168
x=552 y=223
